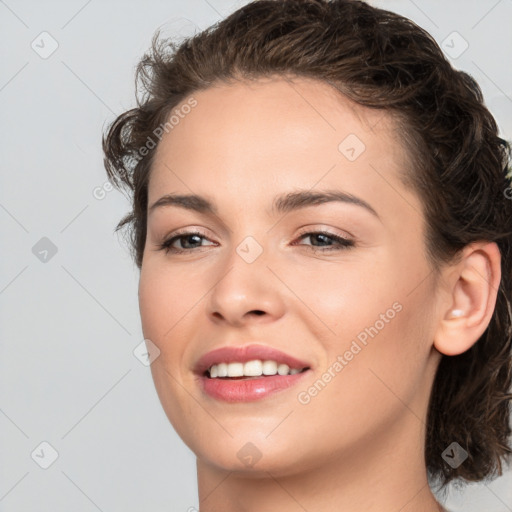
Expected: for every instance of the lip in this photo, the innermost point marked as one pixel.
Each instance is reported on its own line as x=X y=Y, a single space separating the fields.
x=248 y=389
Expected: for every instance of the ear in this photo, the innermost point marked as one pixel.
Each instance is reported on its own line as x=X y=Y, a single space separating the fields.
x=471 y=289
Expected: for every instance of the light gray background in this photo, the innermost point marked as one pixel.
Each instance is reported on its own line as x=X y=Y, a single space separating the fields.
x=68 y=375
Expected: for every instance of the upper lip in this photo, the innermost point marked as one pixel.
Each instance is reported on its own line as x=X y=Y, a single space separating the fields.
x=246 y=353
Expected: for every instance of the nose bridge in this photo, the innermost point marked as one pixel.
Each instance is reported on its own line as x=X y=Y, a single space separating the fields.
x=245 y=267
x=246 y=284
x=250 y=240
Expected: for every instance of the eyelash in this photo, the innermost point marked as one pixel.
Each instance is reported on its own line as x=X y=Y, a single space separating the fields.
x=344 y=243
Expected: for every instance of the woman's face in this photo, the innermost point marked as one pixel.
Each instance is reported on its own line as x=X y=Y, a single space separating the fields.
x=357 y=314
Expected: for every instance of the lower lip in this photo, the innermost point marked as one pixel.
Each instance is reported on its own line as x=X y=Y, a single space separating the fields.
x=248 y=390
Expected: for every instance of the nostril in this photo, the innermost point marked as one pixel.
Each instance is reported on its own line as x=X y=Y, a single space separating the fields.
x=258 y=312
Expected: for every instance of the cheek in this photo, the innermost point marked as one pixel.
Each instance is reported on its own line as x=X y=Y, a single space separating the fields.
x=165 y=307
x=378 y=325
x=367 y=385
x=166 y=298
x=153 y=305
x=341 y=296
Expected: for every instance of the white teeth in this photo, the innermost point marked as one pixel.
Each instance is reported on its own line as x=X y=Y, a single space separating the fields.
x=254 y=368
x=283 y=369
x=235 y=369
x=222 y=369
x=269 y=368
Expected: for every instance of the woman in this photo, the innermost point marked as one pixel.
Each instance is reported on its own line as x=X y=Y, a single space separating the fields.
x=322 y=223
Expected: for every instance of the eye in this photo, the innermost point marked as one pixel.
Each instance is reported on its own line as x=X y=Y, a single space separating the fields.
x=188 y=237
x=194 y=238
x=323 y=237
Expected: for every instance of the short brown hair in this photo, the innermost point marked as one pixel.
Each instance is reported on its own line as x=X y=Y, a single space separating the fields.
x=384 y=61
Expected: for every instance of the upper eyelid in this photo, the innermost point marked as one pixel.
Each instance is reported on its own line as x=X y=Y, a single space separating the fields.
x=303 y=231
x=173 y=237
x=327 y=231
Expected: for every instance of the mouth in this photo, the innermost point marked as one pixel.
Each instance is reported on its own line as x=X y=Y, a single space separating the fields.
x=254 y=369
x=249 y=373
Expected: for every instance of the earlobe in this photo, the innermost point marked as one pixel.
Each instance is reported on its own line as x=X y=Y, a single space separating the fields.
x=472 y=290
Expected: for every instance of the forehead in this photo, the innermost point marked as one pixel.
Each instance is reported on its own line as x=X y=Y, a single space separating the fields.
x=298 y=106
x=280 y=131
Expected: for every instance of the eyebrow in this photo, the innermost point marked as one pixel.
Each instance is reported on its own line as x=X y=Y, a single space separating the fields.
x=282 y=204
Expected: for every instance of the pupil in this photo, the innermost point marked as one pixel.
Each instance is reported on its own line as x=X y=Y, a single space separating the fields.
x=188 y=237
x=321 y=236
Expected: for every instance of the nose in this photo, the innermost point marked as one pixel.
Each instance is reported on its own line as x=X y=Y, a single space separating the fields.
x=245 y=292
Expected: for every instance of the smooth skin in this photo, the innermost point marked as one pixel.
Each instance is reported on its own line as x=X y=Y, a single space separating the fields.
x=358 y=444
